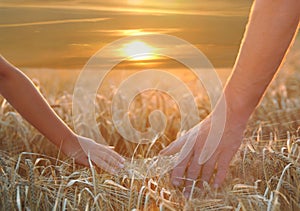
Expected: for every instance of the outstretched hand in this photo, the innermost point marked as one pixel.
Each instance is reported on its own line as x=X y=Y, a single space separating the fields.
x=189 y=170
x=103 y=156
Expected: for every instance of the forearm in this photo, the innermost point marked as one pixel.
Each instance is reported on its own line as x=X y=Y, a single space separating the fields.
x=25 y=98
x=271 y=29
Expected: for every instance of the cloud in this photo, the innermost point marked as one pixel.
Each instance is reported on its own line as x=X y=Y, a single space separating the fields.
x=133 y=10
x=84 y=27
x=81 y=20
x=129 y=32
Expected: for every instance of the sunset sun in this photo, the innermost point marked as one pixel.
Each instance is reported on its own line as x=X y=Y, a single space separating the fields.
x=138 y=50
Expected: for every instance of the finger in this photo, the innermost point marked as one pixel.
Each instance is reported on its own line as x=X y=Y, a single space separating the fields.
x=179 y=170
x=192 y=175
x=174 y=147
x=82 y=160
x=103 y=165
x=222 y=169
x=112 y=153
x=208 y=169
x=111 y=160
x=90 y=146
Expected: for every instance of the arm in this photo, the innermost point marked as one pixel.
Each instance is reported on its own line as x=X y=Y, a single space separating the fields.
x=24 y=97
x=271 y=29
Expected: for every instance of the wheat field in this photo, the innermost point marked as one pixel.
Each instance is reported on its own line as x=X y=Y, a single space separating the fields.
x=264 y=174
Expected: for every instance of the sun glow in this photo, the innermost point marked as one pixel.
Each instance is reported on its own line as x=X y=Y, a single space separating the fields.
x=135 y=2
x=138 y=50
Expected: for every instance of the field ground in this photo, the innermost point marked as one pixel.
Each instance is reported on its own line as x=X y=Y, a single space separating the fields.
x=264 y=175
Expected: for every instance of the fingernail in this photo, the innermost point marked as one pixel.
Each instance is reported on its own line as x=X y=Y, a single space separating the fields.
x=123 y=160
x=121 y=165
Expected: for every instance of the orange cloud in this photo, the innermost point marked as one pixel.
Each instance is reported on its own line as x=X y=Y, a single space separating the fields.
x=81 y=20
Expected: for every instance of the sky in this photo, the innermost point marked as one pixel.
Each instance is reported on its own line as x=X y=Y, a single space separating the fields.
x=65 y=34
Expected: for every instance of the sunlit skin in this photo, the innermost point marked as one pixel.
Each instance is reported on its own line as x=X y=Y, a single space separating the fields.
x=258 y=61
x=27 y=100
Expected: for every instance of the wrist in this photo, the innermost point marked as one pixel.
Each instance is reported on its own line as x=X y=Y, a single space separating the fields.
x=237 y=104
x=237 y=114
x=69 y=144
x=68 y=138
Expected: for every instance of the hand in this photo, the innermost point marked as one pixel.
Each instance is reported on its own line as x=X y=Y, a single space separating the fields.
x=103 y=156
x=218 y=162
